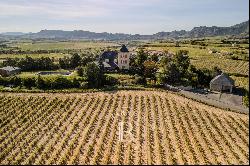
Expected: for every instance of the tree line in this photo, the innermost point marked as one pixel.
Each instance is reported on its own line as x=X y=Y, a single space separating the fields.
x=171 y=70
x=159 y=69
x=17 y=50
x=45 y=63
x=58 y=82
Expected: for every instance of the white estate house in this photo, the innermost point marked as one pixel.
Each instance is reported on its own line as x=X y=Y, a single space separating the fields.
x=115 y=60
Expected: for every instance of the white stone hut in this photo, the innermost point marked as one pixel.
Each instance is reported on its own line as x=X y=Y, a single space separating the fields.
x=222 y=83
x=9 y=70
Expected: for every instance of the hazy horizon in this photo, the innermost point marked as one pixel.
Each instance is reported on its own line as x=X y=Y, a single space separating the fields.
x=127 y=16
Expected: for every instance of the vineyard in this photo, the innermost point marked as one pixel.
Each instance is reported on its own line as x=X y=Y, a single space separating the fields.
x=124 y=127
x=51 y=45
x=229 y=66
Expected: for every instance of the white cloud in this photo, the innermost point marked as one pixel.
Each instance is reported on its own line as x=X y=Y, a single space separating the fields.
x=62 y=9
x=70 y=8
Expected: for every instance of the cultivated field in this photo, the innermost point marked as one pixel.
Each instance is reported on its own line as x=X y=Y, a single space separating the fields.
x=124 y=127
x=201 y=58
x=199 y=55
x=227 y=65
x=51 y=55
x=61 y=45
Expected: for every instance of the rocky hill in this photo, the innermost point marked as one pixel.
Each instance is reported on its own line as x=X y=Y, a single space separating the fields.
x=238 y=29
x=202 y=31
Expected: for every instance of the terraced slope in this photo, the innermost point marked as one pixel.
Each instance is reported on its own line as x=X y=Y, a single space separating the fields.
x=125 y=127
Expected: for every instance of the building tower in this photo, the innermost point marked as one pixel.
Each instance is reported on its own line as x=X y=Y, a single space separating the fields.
x=123 y=58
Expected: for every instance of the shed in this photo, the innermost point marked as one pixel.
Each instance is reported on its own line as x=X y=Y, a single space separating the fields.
x=222 y=83
x=9 y=70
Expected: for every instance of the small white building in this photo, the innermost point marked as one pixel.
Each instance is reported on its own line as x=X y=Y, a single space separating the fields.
x=9 y=70
x=222 y=83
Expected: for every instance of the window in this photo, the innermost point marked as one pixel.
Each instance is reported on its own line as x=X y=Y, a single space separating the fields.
x=126 y=56
x=126 y=61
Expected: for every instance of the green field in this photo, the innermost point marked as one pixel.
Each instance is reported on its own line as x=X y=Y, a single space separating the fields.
x=199 y=55
x=51 y=55
x=227 y=65
x=62 y=45
x=34 y=74
x=241 y=81
x=201 y=58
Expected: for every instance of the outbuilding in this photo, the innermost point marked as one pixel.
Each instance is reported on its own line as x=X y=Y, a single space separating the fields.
x=9 y=70
x=222 y=83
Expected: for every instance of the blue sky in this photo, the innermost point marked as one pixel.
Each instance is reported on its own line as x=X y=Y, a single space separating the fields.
x=126 y=16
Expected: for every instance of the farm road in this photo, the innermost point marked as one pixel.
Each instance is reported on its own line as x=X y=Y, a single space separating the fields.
x=225 y=101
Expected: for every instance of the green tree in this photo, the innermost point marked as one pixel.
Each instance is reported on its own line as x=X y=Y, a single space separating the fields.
x=154 y=57
x=109 y=80
x=75 y=83
x=16 y=81
x=93 y=75
x=182 y=62
x=61 y=82
x=174 y=70
x=139 y=61
x=246 y=98
x=132 y=65
x=173 y=74
x=169 y=74
x=80 y=71
x=199 y=77
x=86 y=59
x=216 y=71
x=29 y=82
x=40 y=83
x=2 y=80
x=140 y=80
x=150 y=69
x=65 y=63
x=194 y=80
x=75 y=60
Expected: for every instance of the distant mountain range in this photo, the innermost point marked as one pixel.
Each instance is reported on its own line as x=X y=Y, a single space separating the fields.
x=13 y=33
x=197 y=32
x=203 y=31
